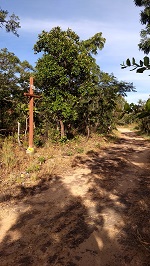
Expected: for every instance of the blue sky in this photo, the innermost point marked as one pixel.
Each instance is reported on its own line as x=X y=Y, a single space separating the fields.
x=118 y=20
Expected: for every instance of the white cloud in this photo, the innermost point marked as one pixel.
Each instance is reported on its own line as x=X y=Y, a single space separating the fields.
x=135 y=97
x=119 y=39
x=121 y=43
x=83 y=27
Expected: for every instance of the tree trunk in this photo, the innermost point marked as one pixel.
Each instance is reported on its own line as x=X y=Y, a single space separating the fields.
x=19 y=134
x=62 y=128
x=25 y=133
x=88 y=132
x=46 y=131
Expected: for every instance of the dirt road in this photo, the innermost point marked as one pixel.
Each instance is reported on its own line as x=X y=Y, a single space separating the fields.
x=95 y=215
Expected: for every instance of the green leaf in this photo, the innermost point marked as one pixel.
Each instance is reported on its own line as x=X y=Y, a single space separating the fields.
x=128 y=62
x=133 y=61
x=146 y=61
x=141 y=63
x=147 y=107
x=141 y=70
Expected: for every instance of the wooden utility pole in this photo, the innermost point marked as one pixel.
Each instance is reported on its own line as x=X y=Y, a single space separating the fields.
x=31 y=128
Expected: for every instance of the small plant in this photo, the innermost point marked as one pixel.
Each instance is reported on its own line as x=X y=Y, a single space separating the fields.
x=63 y=139
x=33 y=168
x=54 y=135
x=79 y=150
x=69 y=153
x=41 y=159
x=38 y=142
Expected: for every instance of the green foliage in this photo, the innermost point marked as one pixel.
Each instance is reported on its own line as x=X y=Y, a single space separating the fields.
x=76 y=96
x=11 y=23
x=145 y=124
x=146 y=61
x=41 y=159
x=63 y=139
x=147 y=106
x=128 y=62
x=127 y=107
x=14 y=80
x=66 y=73
x=74 y=89
x=144 y=44
x=94 y=43
x=69 y=153
x=137 y=113
x=79 y=150
x=33 y=168
x=39 y=137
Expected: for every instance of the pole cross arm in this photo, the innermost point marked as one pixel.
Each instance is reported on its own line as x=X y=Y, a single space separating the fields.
x=32 y=95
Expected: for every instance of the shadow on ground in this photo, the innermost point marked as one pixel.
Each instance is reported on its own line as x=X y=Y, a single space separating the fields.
x=51 y=226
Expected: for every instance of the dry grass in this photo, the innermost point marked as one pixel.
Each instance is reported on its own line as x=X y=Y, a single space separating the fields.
x=17 y=167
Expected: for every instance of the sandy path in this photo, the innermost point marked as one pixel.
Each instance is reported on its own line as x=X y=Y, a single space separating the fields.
x=96 y=215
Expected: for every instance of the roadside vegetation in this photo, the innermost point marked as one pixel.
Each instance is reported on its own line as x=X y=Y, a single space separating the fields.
x=19 y=169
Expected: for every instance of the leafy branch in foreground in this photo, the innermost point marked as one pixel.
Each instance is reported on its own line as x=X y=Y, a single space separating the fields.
x=140 y=67
x=11 y=24
x=144 y=44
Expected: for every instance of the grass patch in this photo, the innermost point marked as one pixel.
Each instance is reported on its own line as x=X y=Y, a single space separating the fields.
x=18 y=167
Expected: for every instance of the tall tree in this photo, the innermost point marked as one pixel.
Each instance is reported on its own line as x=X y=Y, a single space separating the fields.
x=75 y=92
x=66 y=72
x=10 y=23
